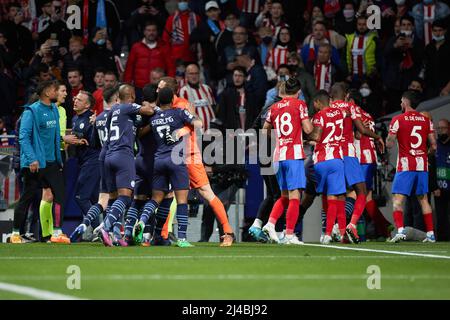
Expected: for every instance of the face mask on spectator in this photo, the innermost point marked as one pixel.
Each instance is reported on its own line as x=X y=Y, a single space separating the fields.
x=267 y=40
x=283 y=78
x=407 y=33
x=365 y=92
x=183 y=6
x=400 y=2
x=438 y=38
x=101 y=42
x=348 y=13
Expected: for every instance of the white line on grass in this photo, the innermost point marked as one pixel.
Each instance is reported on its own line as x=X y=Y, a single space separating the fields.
x=193 y=277
x=403 y=253
x=150 y=257
x=34 y=293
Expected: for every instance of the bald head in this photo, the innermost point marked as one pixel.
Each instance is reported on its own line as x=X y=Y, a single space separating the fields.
x=338 y=91
x=127 y=93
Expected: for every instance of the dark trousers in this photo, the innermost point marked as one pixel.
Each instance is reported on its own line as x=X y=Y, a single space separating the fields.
x=49 y=177
x=442 y=216
x=227 y=196
x=88 y=185
x=273 y=193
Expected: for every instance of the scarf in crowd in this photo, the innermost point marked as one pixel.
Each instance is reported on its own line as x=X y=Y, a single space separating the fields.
x=214 y=28
x=312 y=48
x=250 y=6
x=330 y=8
x=85 y=21
x=277 y=56
x=322 y=75
x=428 y=18
x=358 y=48
x=267 y=22
x=178 y=36
x=4 y=140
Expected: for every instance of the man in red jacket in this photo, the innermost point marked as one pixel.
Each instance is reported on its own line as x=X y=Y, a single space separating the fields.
x=145 y=56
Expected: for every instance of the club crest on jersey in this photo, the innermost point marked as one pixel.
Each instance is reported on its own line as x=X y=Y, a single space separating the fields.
x=81 y=125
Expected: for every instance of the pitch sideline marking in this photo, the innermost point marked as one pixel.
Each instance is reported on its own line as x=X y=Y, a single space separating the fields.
x=187 y=277
x=35 y=293
x=404 y=253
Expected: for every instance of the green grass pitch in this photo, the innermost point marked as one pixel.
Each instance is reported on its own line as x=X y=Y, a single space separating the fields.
x=244 y=271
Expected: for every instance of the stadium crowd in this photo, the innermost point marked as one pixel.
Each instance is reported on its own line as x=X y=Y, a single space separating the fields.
x=231 y=60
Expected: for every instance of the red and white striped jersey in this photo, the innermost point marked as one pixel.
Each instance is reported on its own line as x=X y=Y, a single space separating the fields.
x=286 y=118
x=276 y=57
x=359 y=46
x=412 y=130
x=250 y=6
x=267 y=22
x=365 y=147
x=203 y=100
x=331 y=121
x=350 y=114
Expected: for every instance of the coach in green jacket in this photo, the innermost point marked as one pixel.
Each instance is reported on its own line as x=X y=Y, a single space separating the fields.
x=41 y=165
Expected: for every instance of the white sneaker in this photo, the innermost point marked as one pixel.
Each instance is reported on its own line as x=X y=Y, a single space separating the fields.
x=269 y=230
x=398 y=237
x=292 y=239
x=326 y=239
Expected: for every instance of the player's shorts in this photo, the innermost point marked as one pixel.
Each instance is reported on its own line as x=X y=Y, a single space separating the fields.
x=103 y=185
x=197 y=175
x=311 y=180
x=290 y=174
x=330 y=177
x=120 y=172
x=169 y=176
x=406 y=182
x=353 y=171
x=144 y=176
x=368 y=170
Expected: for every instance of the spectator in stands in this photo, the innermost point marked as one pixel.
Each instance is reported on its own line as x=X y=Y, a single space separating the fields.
x=75 y=58
x=370 y=100
x=275 y=20
x=418 y=85
x=206 y=35
x=284 y=72
x=156 y=74
x=240 y=103
x=442 y=194
x=98 y=55
x=113 y=23
x=19 y=37
x=51 y=25
x=319 y=36
x=146 y=55
x=110 y=79
x=437 y=63
x=346 y=24
x=225 y=38
x=74 y=79
x=240 y=46
x=179 y=27
x=40 y=161
x=199 y=94
x=42 y=73
x=306 y=79
x=7 y=56
x=279 y=54
x=99 y=79
x=424 y=14
x=324 y=70
x=403 y=56
x=362 y=52
x=148 y=10
x=8 y=90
